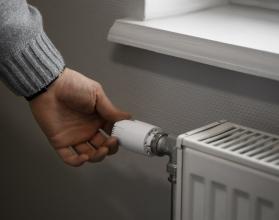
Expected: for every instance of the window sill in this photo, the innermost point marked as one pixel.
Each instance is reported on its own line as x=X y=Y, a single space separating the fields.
x=240 y=38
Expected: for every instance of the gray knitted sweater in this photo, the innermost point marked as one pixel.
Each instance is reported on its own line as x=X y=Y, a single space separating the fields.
x=28 y=59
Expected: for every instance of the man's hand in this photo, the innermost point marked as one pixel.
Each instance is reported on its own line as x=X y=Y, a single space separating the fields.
x=70 y=114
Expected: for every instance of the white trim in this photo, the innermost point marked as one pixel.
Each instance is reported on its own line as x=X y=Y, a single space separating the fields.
x=165 y=8
x=270 y=4
x=251 y=55
x=150 y=9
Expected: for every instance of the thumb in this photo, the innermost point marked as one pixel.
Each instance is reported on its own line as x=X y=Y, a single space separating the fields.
x=107 y=110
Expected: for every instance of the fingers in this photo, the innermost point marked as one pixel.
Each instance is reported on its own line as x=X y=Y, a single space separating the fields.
x=97 y=140
x=85 y=148
x=100 y=140
x=70 y=158
x=112 y=145
x=83 y=154
x=77 y=134
x=95 y=150
x=109 y=147
x=86 y=152
x=94 y=154
x=107 y=110
x=98 y=153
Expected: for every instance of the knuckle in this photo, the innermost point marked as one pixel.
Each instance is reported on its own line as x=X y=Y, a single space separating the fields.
x=55 y=141
x=98 y=86
x=97 y=90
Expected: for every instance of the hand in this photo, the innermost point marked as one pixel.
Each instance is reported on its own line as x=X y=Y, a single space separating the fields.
x=70 y=114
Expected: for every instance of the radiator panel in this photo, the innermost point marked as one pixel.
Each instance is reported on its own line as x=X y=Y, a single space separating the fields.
x=218 y=206
x=218 y=189
x=197 y=186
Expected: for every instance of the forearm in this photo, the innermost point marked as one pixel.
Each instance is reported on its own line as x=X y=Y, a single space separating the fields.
x=28 y=59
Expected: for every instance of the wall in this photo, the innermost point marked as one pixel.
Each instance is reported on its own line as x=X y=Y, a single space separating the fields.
x=175 y=94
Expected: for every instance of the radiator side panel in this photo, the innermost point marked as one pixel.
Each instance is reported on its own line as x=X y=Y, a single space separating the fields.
x=217 y=189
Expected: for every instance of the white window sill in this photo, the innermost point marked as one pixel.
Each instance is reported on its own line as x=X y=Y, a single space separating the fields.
x=240 y=38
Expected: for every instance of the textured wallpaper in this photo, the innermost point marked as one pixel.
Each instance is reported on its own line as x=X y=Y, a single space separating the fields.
x=176 y=94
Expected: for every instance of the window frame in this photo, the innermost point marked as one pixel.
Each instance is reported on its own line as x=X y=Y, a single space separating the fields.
x=162 y=35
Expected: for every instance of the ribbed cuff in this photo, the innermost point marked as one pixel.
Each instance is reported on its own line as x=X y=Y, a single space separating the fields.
x=33 y=67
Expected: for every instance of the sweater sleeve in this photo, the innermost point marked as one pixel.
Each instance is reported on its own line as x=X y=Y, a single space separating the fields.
x=28 y=59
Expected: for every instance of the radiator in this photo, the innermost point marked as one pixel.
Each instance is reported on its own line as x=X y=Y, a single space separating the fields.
x=223 y=171
x=227 y=172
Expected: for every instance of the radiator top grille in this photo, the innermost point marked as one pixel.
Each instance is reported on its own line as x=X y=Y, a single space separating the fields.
x=239 y=141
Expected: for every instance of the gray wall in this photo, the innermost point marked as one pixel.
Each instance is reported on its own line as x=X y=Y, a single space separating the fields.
x=175 y=94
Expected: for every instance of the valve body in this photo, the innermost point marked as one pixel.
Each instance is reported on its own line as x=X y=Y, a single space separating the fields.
x=135 y=135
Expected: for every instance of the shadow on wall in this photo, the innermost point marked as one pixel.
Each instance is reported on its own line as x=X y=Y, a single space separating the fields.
x=39 y=183
x=205 y=75
x=124 y=201
x=70 y=201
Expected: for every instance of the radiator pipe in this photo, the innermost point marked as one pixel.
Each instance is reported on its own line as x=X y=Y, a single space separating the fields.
x=166 y=145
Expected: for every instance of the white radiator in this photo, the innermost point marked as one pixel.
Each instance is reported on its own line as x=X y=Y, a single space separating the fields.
x=227 y=172
x=222 y=171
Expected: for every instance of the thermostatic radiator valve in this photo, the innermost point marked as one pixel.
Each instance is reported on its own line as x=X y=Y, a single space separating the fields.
x=148 y=140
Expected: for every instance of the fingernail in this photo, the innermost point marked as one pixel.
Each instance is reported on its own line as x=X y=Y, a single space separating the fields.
x=103 y=133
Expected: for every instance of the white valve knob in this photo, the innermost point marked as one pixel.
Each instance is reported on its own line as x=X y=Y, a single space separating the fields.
x=135 y=135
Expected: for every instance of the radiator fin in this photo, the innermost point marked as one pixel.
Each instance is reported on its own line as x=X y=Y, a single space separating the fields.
x=240 y=141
